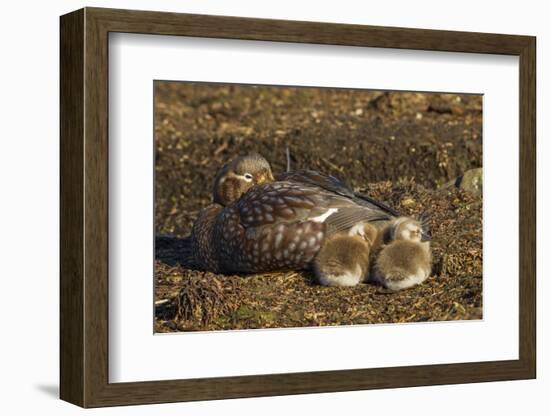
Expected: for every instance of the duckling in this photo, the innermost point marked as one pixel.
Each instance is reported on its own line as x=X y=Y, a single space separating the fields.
x=236 y=177
x=343 y=260
x=406 y=260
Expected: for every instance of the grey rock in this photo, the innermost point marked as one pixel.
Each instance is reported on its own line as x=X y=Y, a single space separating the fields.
x=471 y=181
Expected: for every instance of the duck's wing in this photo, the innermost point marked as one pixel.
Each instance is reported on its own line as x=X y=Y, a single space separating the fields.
x=345 y=218
x=315 y=178
x=290 y=202
x=363 y=199
x=333 y=184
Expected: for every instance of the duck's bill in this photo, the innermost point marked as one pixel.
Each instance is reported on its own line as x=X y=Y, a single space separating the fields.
x=265 y=177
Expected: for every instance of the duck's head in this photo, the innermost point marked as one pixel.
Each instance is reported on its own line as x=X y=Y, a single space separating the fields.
x=238 y=176
x=405 y=228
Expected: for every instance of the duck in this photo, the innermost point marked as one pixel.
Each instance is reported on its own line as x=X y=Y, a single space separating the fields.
x=344 y=258
x=238 y=176
x=259 y=223
x=405 y=258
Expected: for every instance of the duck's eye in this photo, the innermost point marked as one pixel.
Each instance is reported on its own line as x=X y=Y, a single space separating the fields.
x=248 y=177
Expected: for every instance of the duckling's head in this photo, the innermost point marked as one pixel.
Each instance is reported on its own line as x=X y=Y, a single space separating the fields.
x=409 y=229
x=238 y=176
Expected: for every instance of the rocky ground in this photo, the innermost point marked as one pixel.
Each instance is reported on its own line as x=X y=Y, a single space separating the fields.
x=417 y=152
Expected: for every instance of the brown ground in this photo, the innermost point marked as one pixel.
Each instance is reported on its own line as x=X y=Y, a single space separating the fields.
x=398 y=147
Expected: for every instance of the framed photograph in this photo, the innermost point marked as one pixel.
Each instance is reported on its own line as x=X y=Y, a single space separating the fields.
x=255 y=207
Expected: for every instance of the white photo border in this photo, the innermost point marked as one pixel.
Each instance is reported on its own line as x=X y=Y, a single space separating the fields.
x=135 y=354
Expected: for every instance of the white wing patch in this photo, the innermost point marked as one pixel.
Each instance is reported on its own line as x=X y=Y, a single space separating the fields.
x=323 y=217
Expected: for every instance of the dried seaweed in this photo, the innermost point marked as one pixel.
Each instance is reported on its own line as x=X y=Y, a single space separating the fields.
x=204 y=297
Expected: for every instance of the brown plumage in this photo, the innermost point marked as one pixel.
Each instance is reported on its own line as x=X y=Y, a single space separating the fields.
x=276 y=225
x=238 y=176
x=344 y=258
x=333 y=184
x=406 y=259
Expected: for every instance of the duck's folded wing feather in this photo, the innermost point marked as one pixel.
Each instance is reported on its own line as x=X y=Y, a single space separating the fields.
x=345 y=218
x=315 y=178
x=287 y=202
x=333 y=184
x=363 y=199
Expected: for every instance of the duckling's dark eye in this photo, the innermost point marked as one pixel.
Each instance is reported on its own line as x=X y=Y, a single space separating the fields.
x=248 y=176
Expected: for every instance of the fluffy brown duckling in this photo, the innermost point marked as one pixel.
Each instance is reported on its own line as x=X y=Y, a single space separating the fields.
x=406 y=259
x=262 y=225
x=344 y=258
